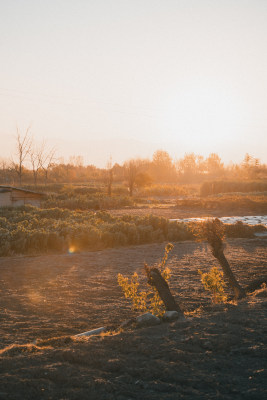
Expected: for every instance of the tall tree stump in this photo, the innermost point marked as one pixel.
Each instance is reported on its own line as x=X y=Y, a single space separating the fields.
x=154 y=278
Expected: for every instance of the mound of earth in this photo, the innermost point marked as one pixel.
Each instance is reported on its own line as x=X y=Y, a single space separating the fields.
x=217 y=352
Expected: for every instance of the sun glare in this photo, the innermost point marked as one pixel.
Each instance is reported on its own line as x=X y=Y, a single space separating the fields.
x=72 y=249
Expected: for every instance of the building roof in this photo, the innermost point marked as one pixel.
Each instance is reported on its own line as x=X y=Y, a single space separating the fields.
x=4 y=188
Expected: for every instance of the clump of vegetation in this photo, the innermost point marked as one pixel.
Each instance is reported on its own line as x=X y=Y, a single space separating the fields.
x=147 y=300
x=241 y=230
x=213 y=282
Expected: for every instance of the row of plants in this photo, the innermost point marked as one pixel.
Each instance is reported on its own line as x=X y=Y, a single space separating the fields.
x=95 y=198
x=227 y=202
x=32 y=230
x=29 y=230
x=216 y=187
x=168 y=190
x=85 y=202
x=94 y=189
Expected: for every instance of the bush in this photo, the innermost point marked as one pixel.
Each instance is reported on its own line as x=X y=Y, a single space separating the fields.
x=241 y=230
x=213 y=281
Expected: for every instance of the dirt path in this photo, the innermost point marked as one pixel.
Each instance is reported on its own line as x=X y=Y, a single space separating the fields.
x=220 y=353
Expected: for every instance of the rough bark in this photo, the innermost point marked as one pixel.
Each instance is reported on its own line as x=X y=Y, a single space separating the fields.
x=214 y=233
x=233 y=283
x=155 y=279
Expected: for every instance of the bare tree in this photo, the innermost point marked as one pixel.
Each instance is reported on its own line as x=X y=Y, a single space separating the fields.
x=23 y=147
x=109 y=176
x=47 y=161
x=132 y=170
x=36 y=158
x=76 y=161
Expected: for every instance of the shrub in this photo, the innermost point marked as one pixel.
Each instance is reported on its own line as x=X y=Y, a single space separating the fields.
x=239 y=230
x=213 y=281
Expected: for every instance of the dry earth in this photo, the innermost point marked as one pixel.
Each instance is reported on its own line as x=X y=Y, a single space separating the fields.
x=217 y=353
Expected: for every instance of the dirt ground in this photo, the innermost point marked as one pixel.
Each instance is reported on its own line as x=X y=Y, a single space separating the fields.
x=219 y=352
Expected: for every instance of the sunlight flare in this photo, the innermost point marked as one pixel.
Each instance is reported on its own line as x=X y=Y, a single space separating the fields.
x=72 y=249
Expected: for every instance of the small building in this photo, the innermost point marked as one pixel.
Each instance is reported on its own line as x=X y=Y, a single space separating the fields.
x=15 y=197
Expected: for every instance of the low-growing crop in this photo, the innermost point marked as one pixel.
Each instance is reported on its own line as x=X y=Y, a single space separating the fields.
x=30 y=230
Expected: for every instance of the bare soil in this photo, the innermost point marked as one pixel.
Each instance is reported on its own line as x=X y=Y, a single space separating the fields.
x=218 y=352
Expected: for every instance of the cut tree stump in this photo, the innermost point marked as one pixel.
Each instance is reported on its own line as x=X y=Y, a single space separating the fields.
x=154 y=278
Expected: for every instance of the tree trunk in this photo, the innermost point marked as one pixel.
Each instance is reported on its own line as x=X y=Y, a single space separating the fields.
x=238 y=290
x=130 y=189
x=155 y=279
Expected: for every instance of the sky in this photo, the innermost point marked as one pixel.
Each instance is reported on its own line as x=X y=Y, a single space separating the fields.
x=124 y=78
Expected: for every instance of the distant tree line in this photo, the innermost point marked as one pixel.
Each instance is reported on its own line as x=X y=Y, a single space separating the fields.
x=38 y=164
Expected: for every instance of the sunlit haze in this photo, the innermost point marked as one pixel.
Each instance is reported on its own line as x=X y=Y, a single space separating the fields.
x=123 y=78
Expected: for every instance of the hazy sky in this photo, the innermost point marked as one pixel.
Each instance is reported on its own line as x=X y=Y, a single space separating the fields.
x=123 y=78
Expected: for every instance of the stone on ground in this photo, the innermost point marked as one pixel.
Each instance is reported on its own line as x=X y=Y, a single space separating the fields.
x=147 y=319
x=171 y=316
